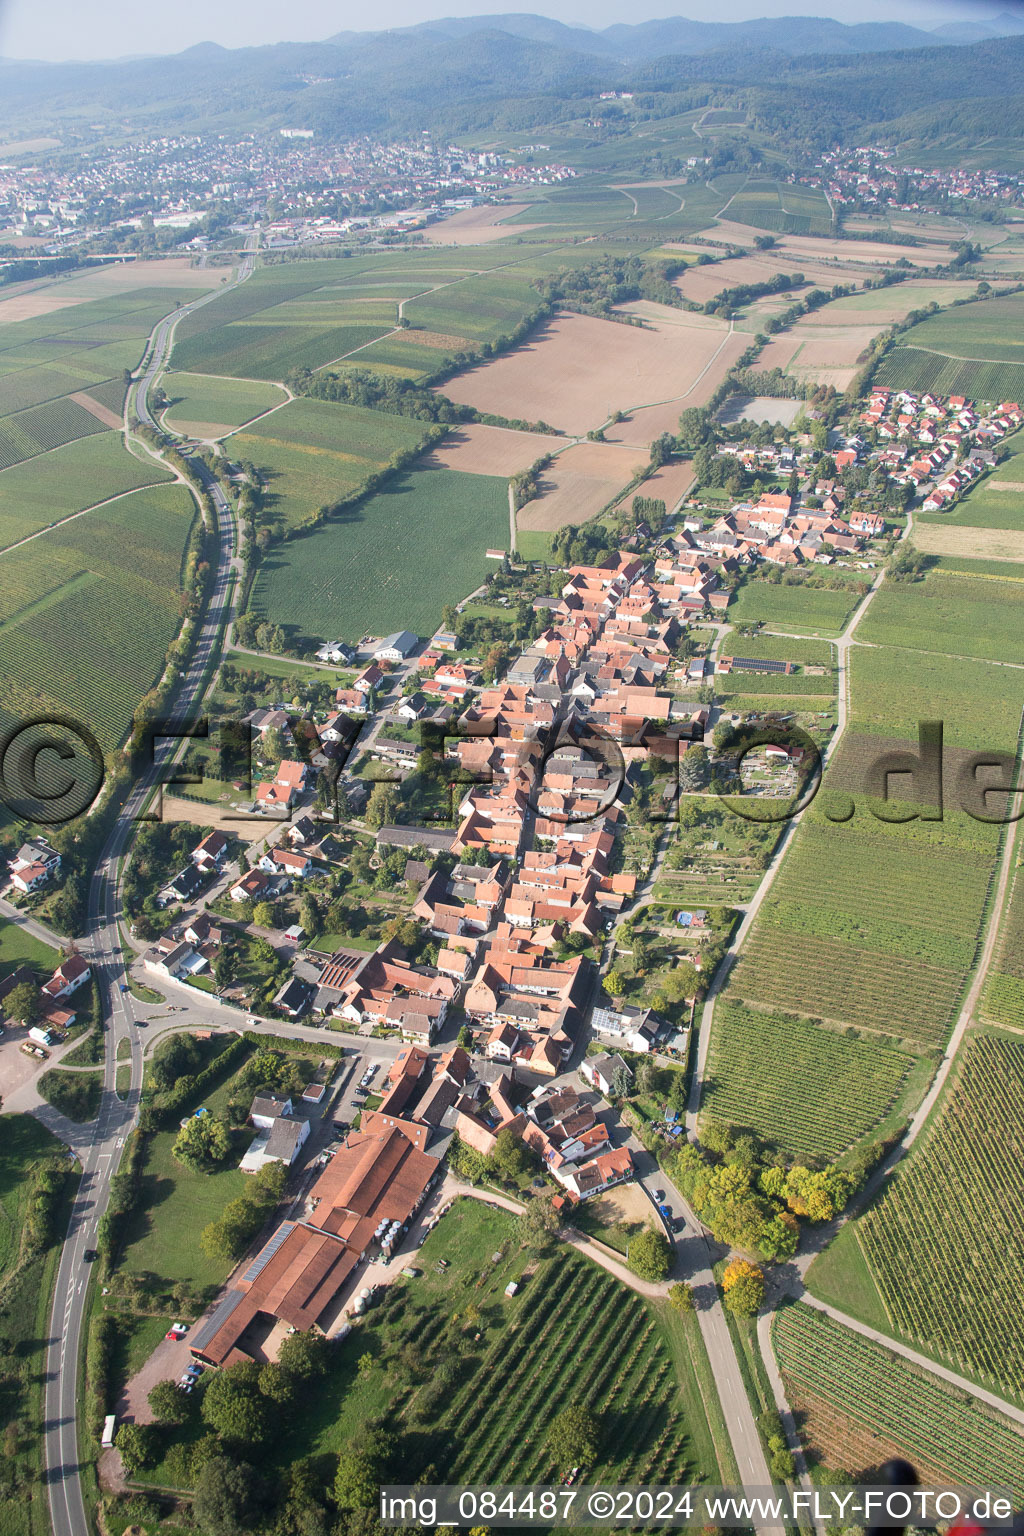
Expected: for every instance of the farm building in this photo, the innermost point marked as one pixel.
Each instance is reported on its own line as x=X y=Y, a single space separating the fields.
x=398 y=646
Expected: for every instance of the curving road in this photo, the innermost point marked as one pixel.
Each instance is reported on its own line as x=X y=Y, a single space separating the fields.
x=100 y=1151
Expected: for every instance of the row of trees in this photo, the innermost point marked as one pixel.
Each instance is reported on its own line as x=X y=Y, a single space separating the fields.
x=242 y=1218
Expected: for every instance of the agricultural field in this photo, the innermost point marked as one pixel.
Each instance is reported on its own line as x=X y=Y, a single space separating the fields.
x=56 y=342
x=476 y=226
x=312 y=452
x=860 y=253
x=975 y=350
x=991 y=504
x=882 y=306
x=1002 y=1000
x=60 y=646
x=821 y=348
x=579 y=483
x=988 y=520
x=638 y=428
x=26 y=434
x=573 y=1333
x=475 y=449
x=792 y=605
x=734 y=686
x=768 y=647
x=203 y=405
x=808 y=1091
x=43 y=491
x=284 y=317
x=584 y=207
x=476 y=309
x=390 y=563
x=308 y=314
x=958 y=538
x=857 y=1405
x=872 y=924
x=979 y=616
x=961 y=1191
x=577 y=370
x=781 y=208
x=893 y=690
x=669 y=483
x=927 y=368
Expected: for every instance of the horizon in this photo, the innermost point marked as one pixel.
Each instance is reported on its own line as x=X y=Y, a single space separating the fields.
x=67 y=34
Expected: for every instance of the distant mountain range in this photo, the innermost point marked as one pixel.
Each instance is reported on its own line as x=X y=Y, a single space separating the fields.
x=677 y=35
x=805 y=81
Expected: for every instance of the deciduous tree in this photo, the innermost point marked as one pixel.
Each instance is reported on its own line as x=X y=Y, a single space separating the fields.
x=743 y=1288
x=202 y=1142
x=649 y=1255
x=574 y=1436
x=681 y=1297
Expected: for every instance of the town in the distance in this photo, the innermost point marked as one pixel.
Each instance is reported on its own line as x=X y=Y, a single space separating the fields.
x=511 y=662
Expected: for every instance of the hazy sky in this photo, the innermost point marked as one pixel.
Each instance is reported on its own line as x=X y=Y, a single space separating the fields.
x=91 y=29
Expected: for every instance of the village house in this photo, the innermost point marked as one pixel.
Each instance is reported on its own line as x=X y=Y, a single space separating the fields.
x=34 y=863
x=71 y=974
x=209 y=854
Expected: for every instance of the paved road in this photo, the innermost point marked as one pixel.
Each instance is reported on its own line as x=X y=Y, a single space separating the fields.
x=13 y=914
x=101 y=1152
x=693 y=1262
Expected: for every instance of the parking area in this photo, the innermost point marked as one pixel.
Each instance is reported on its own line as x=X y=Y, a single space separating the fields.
x=16 y=1067
x=168 y=1362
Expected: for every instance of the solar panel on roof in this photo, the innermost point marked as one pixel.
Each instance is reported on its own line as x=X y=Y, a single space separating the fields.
x=268 y=1250
x=756 y=664
x=216 y=1319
